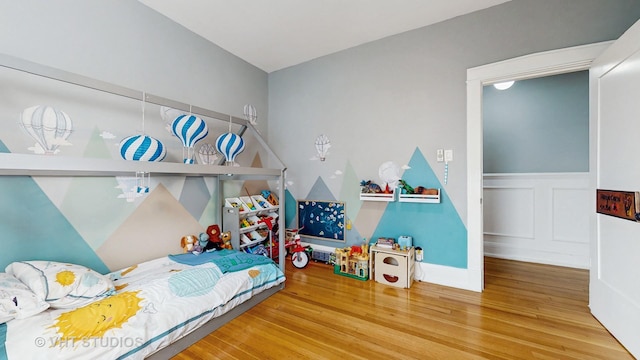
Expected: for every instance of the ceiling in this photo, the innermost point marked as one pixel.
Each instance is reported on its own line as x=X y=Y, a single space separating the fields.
x=276 y=34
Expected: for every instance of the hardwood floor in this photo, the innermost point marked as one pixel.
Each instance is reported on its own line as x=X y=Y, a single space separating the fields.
x=527 y=311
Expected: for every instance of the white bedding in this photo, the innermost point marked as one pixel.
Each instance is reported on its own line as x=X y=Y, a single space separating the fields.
x=156 y=303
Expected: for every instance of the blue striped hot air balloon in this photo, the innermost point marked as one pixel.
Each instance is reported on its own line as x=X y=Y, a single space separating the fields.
x=230 y=145
x=189 y=129
x=142 y=148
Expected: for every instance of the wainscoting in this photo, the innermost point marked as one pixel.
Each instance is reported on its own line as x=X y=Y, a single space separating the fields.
x=540 y=218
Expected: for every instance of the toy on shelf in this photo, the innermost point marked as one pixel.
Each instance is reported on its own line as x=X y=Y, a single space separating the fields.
x=369 y=187
x=373 y=192
x=352 y=262
x=405 y=188
x=270 y=197
x=388 y=243
x=405 y=242
x=419 y=194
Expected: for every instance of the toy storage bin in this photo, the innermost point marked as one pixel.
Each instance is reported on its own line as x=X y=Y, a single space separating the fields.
x=394 y=268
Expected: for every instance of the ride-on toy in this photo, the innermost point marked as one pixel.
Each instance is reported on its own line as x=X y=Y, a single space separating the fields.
x=293 y=244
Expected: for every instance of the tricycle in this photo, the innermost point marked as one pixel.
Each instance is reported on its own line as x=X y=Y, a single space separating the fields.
x=293 y=245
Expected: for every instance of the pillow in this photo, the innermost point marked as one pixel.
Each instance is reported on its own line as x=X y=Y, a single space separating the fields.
x=16 y=300
x=62 y=285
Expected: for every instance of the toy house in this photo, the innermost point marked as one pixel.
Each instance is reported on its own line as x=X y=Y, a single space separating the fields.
x=352 y=262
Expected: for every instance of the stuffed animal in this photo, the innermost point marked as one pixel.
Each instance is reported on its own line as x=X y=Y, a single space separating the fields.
x=226 y=240
x=201 y=245
x=188 y=242
x=213 y=231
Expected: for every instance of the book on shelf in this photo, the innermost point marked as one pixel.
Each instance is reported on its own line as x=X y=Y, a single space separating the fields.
x=385 y=242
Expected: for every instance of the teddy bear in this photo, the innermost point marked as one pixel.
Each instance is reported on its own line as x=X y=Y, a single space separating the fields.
x=226 y=240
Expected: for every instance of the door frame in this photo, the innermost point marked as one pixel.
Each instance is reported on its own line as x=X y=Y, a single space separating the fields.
x=524 y=67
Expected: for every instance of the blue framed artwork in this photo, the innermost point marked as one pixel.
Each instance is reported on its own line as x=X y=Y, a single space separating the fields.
x=323 y=220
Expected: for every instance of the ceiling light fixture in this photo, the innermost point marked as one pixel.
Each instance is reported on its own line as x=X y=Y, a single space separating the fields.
x=503 y=85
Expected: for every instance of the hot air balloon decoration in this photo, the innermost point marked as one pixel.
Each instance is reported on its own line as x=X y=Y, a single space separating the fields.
x=142 y=148
x=48 y=126
x=322 y=146
x=189 y=129
x=250 y=114
x=207 y=154
x=230 y=145
x=168 y=115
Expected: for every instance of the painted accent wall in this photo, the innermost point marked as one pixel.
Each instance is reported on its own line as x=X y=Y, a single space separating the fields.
x=382 y=100
x=89 y=221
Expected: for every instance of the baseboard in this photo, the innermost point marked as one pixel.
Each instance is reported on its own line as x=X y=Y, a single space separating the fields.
x=447 y=276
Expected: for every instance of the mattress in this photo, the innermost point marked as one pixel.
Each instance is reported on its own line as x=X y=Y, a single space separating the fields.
x=156 y=303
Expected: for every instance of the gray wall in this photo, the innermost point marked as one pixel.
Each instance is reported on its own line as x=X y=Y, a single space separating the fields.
x=538 y=125
x=126 y=43
x=381 y=100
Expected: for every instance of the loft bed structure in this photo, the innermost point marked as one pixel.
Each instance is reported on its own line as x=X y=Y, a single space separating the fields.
x=34 y=165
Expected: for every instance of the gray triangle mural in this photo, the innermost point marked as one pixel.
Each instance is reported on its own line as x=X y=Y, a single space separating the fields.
x=195 y=195
x=33 y=228
x=436 y=228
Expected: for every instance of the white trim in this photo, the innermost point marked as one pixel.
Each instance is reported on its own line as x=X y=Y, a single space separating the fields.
x=444 y=275
x=528 y=66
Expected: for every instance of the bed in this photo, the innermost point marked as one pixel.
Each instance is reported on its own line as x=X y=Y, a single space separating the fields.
x=153 y=309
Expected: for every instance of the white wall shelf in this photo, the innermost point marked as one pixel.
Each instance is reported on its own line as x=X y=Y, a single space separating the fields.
x=378 y=197
x=419 y=198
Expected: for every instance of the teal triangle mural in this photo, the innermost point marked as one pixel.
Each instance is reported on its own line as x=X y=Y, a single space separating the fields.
x=290 y=210
x=436 y=228
x=32 y=227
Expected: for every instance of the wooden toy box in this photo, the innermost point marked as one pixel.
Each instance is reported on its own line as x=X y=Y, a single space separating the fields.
x=393 y=267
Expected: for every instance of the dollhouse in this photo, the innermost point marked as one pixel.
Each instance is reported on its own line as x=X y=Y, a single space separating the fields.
x=352 y=262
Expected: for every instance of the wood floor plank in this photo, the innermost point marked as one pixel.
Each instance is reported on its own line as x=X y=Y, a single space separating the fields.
x=527 y=311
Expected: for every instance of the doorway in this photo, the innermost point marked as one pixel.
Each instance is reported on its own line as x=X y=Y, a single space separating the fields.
x=536 y=196
x=525 y=67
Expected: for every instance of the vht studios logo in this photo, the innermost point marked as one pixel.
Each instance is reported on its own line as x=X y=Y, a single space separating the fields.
x=111 y=342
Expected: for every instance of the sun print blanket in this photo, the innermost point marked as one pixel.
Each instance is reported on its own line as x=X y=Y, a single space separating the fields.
x=156 y=303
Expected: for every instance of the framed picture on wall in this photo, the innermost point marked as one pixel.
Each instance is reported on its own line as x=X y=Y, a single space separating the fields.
x=322 y=219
